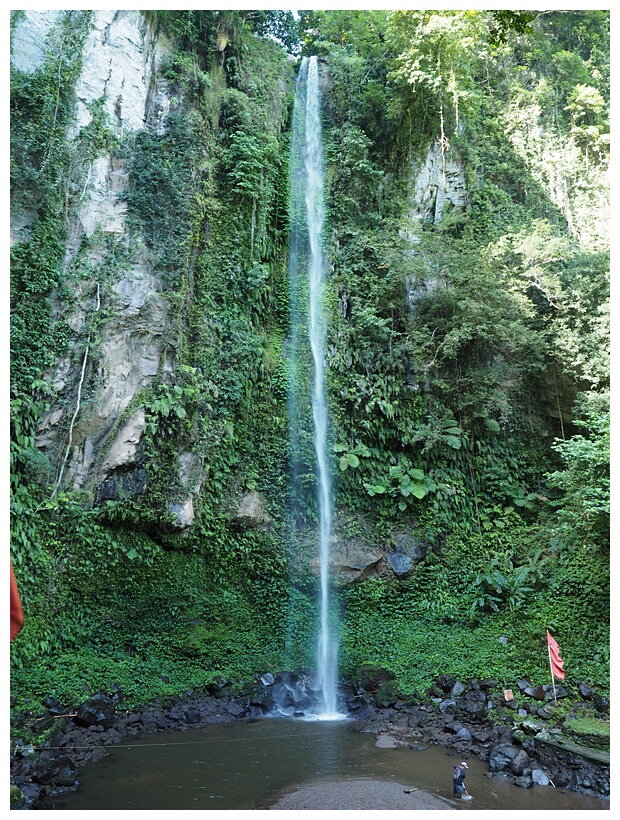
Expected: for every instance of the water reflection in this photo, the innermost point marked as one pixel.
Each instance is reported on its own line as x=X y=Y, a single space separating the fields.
x=249 y=765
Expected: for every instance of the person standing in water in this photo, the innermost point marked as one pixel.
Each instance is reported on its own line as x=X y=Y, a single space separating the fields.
x=458 y=781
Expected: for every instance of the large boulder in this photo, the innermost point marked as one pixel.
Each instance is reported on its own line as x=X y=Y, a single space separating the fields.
x=601 y=703
x=474 y=704
x=60 y=771
x=295 y=692
x=501 y=756
x=97 y=711
x=539 y=778
x=520 y=762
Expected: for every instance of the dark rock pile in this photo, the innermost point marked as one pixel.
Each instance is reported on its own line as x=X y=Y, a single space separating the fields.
x=514 y=735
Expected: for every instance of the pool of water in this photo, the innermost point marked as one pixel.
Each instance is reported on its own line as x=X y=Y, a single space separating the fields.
x=249 y=765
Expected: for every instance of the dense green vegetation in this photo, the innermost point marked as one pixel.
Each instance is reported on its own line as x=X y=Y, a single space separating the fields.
x=467 y=358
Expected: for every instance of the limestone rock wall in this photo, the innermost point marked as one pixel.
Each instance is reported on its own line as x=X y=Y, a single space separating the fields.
x=437 y=183
x=121 y=59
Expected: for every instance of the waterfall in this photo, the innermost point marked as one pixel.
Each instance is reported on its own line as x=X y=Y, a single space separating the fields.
x=307 y=215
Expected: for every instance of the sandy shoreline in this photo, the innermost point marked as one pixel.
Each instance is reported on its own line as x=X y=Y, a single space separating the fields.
x=359 y=794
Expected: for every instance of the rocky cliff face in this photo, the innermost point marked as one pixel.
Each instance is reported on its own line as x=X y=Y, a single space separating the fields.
x=95 y=424
x=121 y=60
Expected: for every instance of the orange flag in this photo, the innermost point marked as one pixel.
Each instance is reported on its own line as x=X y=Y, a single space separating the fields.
x=17 y=616
x=557 y=664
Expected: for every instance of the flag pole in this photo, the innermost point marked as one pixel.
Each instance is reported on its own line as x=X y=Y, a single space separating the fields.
x=551 y=669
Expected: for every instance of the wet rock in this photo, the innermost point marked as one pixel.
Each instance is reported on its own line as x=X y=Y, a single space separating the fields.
x=563 y=778
x=501 y=757
x=585 y=691
x=545 y=712
x=17 y=797
x=601 y=703
x=536 y=692
x=457 y=689
x=474 y=703
x=366 y=712
x=128 y=483
x=435 y=692
x=520 y=762
x=61 y=771
x=235 y=709
x=54 y=706
x=482 y=737
x=539 y=778
x=43 y=723
x=192 y=715
x=602 y=785
x=27 y=795
x=388 y=742
x=446 y=682
x=218 y=683
x=98 y=711
x=555 y=692
x=524 y=782
x=401 y=564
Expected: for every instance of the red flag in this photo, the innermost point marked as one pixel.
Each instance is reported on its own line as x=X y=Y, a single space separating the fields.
x=557 y=664
x=17 y=616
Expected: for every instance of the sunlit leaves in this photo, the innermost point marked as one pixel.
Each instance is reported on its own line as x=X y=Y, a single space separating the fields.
x=583 y=508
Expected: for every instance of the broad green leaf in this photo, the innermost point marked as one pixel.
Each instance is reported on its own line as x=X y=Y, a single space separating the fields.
x=419 y=490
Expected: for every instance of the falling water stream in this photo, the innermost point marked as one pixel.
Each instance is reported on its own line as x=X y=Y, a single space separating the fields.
x=314 y=202
x=307 y=180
